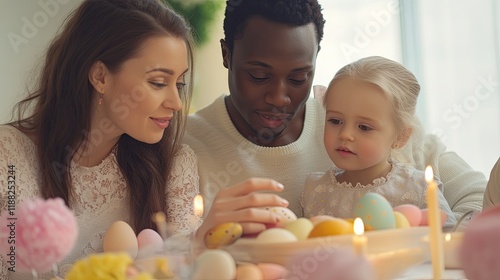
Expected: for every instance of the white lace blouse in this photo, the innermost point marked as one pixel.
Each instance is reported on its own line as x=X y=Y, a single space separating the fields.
x=324 y=195
x=100 y=192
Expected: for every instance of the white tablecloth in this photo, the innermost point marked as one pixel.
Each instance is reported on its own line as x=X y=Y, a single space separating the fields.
x=424 y=272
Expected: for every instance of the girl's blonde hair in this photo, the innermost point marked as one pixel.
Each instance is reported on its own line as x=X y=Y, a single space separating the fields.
x=401 y=88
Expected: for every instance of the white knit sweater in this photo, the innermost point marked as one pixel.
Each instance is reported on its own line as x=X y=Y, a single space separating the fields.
x=226 y=158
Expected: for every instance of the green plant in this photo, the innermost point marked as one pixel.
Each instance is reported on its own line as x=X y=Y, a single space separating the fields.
x=199 y=13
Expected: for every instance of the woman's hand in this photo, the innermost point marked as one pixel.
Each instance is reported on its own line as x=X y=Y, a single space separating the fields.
x=242 y=203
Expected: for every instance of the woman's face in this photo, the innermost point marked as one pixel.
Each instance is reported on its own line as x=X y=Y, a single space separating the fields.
x=141 y=98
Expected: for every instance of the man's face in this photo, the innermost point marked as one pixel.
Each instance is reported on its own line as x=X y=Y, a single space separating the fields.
x=270 y=75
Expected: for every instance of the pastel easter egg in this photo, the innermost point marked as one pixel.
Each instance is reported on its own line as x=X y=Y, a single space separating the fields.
x=272 y=271
x=412 y=213
x=300 y=228
x=223 y=234
x=148 y=237
x=285 y=215
x=214 y=264
x=335 y=226
x=375 y=211
x=425 y=217
x=275 y=235
x=401 y=221
x=247 y=271
x=320 y=218
x=120 y=237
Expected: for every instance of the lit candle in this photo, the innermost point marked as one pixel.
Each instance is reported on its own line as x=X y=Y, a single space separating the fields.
x=198 y=211
x=198 y=205
x=359 y=239
x=436 y=234
x=160 y=220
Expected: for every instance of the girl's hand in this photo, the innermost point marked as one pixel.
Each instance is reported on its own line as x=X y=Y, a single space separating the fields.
x=242 y=204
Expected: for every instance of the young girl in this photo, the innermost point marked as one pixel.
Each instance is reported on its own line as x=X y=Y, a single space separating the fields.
x=370 y=116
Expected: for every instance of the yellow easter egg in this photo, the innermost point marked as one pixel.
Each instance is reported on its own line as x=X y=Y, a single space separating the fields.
x=120 y=237
x=223 y=234
x=335 y=226
x=401 y=220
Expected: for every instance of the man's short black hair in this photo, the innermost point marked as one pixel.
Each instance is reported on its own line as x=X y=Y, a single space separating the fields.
x=291 y=12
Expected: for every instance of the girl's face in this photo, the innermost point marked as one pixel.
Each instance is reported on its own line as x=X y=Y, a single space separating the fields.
x=141 y=98
x=359 y=126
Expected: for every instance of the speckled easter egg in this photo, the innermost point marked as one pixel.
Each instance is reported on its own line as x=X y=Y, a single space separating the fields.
x=223 y=234
x=375 y=211
x=285 y=215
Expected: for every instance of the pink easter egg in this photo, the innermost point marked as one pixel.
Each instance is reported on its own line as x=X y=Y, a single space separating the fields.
x=425 y=217
x=332 y=263
x=412 y=213
x=149 y=237
x=44 y=232
x=271 y=271
x=479 y=251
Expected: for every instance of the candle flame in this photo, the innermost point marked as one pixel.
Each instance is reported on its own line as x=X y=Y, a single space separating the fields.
x=429 y=175
x=359 y=227
x=198 y=205
x=447 y=237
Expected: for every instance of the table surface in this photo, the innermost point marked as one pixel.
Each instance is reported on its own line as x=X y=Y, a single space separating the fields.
x=424 y=272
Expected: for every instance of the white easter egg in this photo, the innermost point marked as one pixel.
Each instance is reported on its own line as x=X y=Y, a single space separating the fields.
x=214 y=264
x=275 y=235
x=300 y=228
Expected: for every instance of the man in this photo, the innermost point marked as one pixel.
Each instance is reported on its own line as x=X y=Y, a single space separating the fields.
x=268 y=127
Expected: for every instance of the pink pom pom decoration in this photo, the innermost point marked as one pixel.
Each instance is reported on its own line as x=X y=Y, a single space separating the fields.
x=44 y=232
x=480 y=247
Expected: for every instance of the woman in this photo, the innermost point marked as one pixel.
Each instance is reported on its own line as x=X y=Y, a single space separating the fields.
x=102 y=128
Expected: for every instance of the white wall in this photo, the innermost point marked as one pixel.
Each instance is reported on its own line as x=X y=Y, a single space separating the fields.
x=26 y=27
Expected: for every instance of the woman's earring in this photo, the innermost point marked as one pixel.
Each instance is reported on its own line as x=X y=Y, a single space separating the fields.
x=100 y=99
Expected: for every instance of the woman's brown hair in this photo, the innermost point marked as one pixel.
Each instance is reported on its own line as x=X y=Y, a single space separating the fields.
x=110 y=31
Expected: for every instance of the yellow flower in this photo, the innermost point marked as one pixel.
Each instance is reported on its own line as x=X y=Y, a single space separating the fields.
x=108 y=266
